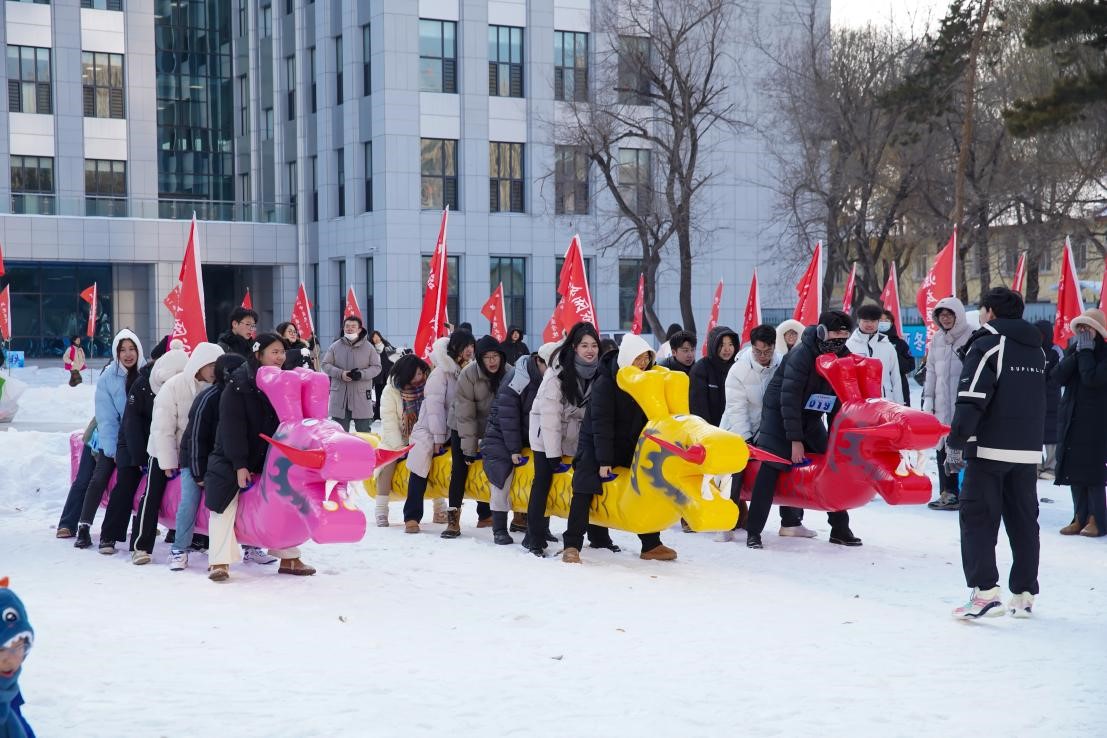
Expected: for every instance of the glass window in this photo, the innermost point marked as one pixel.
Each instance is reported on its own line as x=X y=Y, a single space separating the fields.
x=634 y=63
x=366 y=64
x=267 y=125
x=629 y=269
x=505 y=183
x=102 y=82
x=314 y=189
x=635 y=181
x=338 y=69
x=340 y=156
x=511 y=271
x=292 y=188
x=438 y=163
x=243 y=105
x=370 y=305
x=560 y=262
x=106 y=188
x=267 y=21
x=32 y=185
x=505 y=61
x=341 y=288
x=96 y=4
x=1080 y=254
x=29 y=86
x=241 y=17
x=1045 y=263
x=453 y=300
x=311 y=75
x=46 y=311
x=437 y=56
x=290 y=80
x=570 y=66
x=368 y=154
x=570 y=181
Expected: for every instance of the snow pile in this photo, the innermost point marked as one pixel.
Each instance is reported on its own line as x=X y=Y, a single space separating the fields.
x=48 y=398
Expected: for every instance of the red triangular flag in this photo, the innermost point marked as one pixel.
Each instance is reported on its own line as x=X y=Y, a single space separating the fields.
x=1 y=260
x=553 y=330
x=714 y=319
x=352 y=308
x=172 y=301
x=751 y=318
x=576 y=299
x=247 y=301
x=810 y=290
x=639 y=306
x=939 y=284
x=301 y=315
x=189 y=325
x=889 y=298
x=89 y=296
x=1020 y=273
x=432 y=318
x=847 y=298
x=494 y=310
x=6 y=313
x=1069 y=302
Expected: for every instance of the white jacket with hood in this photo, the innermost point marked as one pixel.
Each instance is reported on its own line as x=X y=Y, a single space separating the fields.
x=745 y=387
x=787 y=325
x=173 y=399
x=877 y=346
x=943 y=365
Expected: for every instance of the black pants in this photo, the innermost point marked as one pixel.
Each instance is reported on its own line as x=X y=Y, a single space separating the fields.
x=761 y=501
x=120 y=504
x=1090 y=501
x=101 y=474
x=790 y=517
x=75 y=500
x=578 y=526
x=537 y=521
x=947 y=482
x=149 y=508
x=413 y=505
x=996 y=490
x=459 y=475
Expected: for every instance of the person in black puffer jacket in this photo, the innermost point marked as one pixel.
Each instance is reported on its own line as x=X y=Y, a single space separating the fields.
x=296 y=352
x=707 y=380
x=239 y=457
x=514 y=348
x=240 y=338
x=887 y=326
x=1047 y=468
x=682 y=348
x=386 y=351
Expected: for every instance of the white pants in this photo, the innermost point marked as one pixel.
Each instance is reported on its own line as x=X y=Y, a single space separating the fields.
x=500 y=499
x=223 y=546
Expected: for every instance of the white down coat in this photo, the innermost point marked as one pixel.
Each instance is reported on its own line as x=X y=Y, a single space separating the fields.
x=877 y=346
x=172 y=403
x=745 y=387
x=943 y=365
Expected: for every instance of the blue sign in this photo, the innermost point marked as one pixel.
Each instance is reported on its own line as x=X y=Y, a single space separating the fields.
x=16 y=360
x=915 y=335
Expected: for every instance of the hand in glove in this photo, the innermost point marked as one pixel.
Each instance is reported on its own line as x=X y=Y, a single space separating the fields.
x=469 y=460
x=554 y=462
x=955 y=460
x=1085 y=340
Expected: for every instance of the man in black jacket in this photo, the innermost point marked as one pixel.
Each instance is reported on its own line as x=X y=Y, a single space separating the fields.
x=240 y=338
x=683 y=347
x=996 y=436
x=792 y=425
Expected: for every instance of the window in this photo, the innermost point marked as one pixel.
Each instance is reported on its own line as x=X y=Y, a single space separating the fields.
x=314 y=189
x=505 y=61
x=29 y=80
x=97 y=4
x=338 y=69
x=1045 y=262
x=1010 y=260
x=634 y=61
x=629 y=269
x=106 y=188
x=243 y=105
x=368 y=146
x=570 y=181
x=102 y=80
x=341 y=169
x=244 y=188
x=32 y=185
x=370 y=306
x=341 y=288
x=267 y=125
x=311 y=75
x=290 y=78
x=267 y=21
x=635 y=182
x=288 y=7
x=1080 y=254
x=438 y=163
x=292 y=189
x=437 y=56
x=570 y=66
x=511 y=271
x=366 y=64
x=919 y=261
x=453 y=267
x=505 y=184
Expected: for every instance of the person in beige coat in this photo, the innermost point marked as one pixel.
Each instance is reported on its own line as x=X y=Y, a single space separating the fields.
x=74 y=361
x=352 y=363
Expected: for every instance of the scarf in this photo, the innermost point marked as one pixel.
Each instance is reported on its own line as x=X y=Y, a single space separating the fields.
x=584 y=370
x=413 y=400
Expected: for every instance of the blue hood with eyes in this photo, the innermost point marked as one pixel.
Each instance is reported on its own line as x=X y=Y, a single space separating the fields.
x=14 y=626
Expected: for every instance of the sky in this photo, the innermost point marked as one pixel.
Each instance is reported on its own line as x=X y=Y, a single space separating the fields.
x=918 y=13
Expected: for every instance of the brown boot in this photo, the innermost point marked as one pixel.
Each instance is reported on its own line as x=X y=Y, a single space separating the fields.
x=484 y=523
x=1072 y=528
x=685 y=527
x=518 y=523
x=570 y=556
x=659 y=553
x=453 y=523
x=411 y=526
x=219 y=572
x=743 y=514
x=64 y=533
x=1091 y=530
x=295 y=567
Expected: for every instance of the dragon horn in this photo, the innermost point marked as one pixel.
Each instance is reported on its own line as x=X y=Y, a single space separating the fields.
x=762 y=455
x=886 y=431
x=385 y=456
x=312 y=458
x=694 y=454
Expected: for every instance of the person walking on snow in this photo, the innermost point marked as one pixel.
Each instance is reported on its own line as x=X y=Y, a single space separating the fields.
x=868 y=341
x=352 y=364
x=74 y=361
x=996 y=437
x=943 y=372
x=514 y=348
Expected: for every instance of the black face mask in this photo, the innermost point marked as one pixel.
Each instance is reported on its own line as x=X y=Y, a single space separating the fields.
x=831 y=345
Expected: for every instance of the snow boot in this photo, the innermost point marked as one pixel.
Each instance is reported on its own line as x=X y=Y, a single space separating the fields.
x=439 y=506
x=453 y=523
x=84 y=538
x=499 y=529
x=844 y=537
x=659 y=553
x=219 y=572
x=753 y=540
x=200 y=543
x=1071 y=529
x=170 y=535
x=1021 y=605
x=1091 y=530
x=63 y=533
x=483 y=522
x=518 y=523
x=984 y=603
x=685 y=527
x=381 y=511
x=107 y=548
x=570 y=556
x=295 y=567
x=178 y=560
x=411 y=526
x=724 y=536
x=796 y=531
x=945 y=501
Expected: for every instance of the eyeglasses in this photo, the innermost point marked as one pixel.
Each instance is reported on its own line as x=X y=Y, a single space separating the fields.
x=764 y=353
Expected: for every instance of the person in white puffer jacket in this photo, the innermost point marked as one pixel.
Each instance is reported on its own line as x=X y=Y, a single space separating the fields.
x=867 y=340
x=167 y=425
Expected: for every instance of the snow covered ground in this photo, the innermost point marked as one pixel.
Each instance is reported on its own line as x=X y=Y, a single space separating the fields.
x=412 y=635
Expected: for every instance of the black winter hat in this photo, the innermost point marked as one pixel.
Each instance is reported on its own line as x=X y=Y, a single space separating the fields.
x=488 y=343
x=160 y=349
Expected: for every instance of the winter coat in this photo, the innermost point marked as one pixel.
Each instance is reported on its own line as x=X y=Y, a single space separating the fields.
x=787 y=325
x=1054 y=354
x=432 y=427
x=356 y=396
x=473 y=401
x=1000 y=409
x=509 y=420
x=244 y=414
x=199 y=436
x=111 y=395
x=943 y=362
x=385 y=352
x=74 y=359
x=746 y=383
x=673 y=365
x=1082 y=440
x=609 y=432
x=173 y=403
x=134 y=432
x=232 y=343
x=515 y=350
x=392 y=416
x=707 y=379
x=906 y=363
x=554 y=421
x=877 y=346
x=297 y=354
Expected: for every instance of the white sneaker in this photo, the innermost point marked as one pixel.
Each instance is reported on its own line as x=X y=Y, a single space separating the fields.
x=382 y=520
x=797 y=531
x=139 y=558
x=255 y=555
x=178 y=560
x=1021 y=605
x=724 y=536
x=984 y=603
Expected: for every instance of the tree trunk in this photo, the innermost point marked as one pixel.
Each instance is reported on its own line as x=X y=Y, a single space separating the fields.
x=966 y=126
x=649 y=296
x=984 y=259
x=684 y=244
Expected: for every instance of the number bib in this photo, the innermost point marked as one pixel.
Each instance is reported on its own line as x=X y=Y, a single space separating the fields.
x=820 y=403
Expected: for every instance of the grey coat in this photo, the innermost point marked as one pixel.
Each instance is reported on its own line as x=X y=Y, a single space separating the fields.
x=356 y=396
x=943 y=365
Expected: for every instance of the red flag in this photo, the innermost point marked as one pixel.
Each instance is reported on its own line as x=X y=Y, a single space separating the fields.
x=301 y=315
x=639 y=306
x=89 y=296
x=6 y=313
x=1069 y=302
x=1103 y=289
x=889 y=298
x=810 y=290
x=1020 y=273
x=189 y=324
x=751 y=318
x=714 y=319
x=432 y=318
x=352 y=308
x=495 y=310
x=247 y=301
x=1 y=260
x=939 y=284
x=847 y=298
x=172 y=301
x=553 y=330
x=576 y=304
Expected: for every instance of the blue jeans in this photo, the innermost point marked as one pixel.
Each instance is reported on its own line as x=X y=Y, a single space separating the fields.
x=186 y=511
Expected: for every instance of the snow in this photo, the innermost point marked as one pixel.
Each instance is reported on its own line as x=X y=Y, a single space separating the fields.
x=405 y=635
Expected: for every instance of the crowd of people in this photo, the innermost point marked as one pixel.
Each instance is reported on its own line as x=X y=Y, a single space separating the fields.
x=1020 y=409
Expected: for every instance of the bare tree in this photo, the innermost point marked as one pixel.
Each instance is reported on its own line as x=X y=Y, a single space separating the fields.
x=662 y=85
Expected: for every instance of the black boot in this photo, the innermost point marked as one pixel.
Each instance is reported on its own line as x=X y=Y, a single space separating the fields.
x=844 y=537
x=499 y=529
x=170 y=535
x=84 y=538
x=550 y=537
x=753 y=540
x=453 y=523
